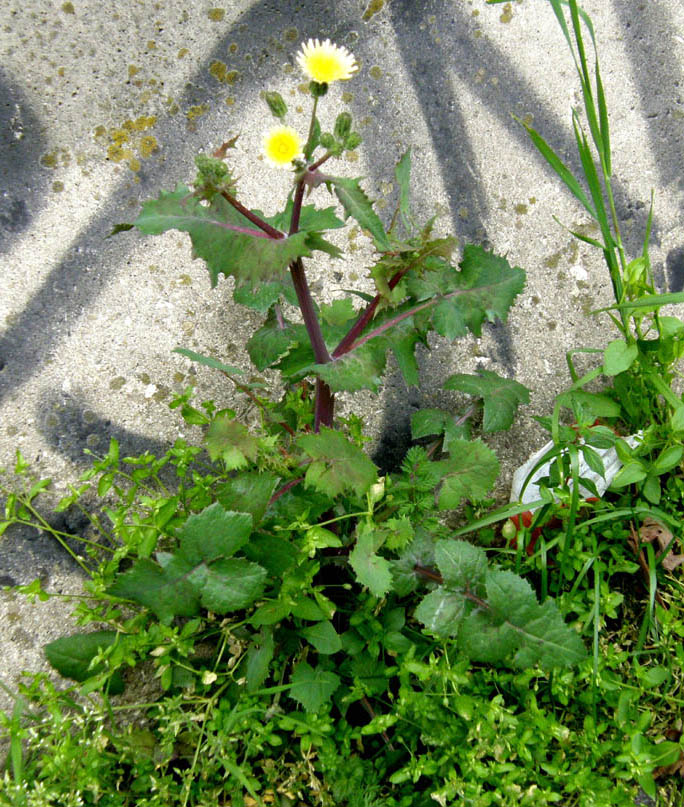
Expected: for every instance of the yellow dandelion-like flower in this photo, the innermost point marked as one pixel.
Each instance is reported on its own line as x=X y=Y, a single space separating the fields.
x=325 y=62
x=281 y=145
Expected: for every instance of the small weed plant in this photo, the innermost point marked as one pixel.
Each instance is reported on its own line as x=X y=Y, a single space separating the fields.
x=308 y=631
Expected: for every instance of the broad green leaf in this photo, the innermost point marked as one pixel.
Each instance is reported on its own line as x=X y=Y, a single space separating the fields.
x=207 y=361
x=629 y=474
x=271 y=342
x=312 y=687
x=369 y=673
x=372 y=570
x=462 y=565
x=165 y=591
x=311 y=218
x=227 y=241
x=357 y=205
x=308 y=609
x=338 y=465
x=248 y=493
x=259 y=656
x=441 y=611
x=427 y=422
x=668 y=459
x=323 y=637
x=404 y=349
x=214 y=533
x=230 y=441
x=589 y=404
x=500 y=396
x=548 y=641
x=619 y=356
x=677 y=419
x=270 y=613
x=71 y=656
x=420 y=552
x=228 y=584
x=469 y=473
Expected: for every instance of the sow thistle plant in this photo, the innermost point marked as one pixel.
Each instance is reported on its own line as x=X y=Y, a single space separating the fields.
x=283 y=588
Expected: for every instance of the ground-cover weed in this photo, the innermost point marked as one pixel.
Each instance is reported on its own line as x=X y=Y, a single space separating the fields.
x=599 y=554
x=297 y=616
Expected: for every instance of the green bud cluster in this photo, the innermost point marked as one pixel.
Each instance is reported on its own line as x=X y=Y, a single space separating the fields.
x=342 y=139
x=213 y=175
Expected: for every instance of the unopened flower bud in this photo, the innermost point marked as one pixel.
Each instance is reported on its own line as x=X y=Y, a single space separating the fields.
x=276 y=104
x=343 y=126
x=352 y=140
x=327 y=141
x=317 y=89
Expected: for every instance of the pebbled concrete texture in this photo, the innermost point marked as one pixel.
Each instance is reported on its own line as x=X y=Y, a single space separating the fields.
x=102 y=106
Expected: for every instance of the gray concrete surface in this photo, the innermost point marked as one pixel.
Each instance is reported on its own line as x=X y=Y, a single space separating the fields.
x=87 y=326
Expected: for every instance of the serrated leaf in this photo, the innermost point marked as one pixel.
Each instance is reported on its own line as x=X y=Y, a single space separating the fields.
x=618 y=357
x=266 y=294
x=71 y=656
x=485 y=288
x=312 y=687
x=338 y=465
x=357 y=205
x=228 y=584
x=214 y=533
x=271 y=342
x=589 y=404
x=361 y=368
x=323 y=637
x=462 y=565
x=427 y=422
x=230 y=441
x=469 y=473
x=404 y=349
x=165 y=591
x=441 y=611
x=500 y=396
x=248 y=493
x=371 y=569
x=208 y=361
x=227 y=241
x=259 y=657
x=311 y=218
x=420 y=552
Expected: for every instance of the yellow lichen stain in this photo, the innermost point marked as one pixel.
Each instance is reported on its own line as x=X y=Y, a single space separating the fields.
x=507 y=15
x=218 y=70
x=303 y=88
x=183 y=52
x=61 y=71
x=375 y=72
x=347 y=97
x=197 y=111
x=216 y=14
x=520 y=209
x=68 y=8
x=475 y=13
x=372 y=9
x=463 y=213
x=233 y=47
x=51 y=159
x=352 y=156
x=230 y=100
x=290 y=34
x=528 y=119
x=57 y=186
x=148 y=145
x=173 y=107
x=151 y=44
x=133 y=70
x=184 y=280
x=532 y=200
x=134 y=163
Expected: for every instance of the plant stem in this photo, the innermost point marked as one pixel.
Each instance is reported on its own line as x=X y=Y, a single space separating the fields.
x=258 y=222
x=324 y=406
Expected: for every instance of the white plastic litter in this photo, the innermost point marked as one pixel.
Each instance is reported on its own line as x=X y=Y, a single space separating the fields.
x=531 y=493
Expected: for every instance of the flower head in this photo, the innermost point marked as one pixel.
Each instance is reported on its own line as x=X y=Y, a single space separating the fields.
x=281 y=145
x=325 y=62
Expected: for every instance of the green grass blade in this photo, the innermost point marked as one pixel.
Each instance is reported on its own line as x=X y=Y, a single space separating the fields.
x=591 y=176
x=559 y=167
x=603 y=119
x=647 y=301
